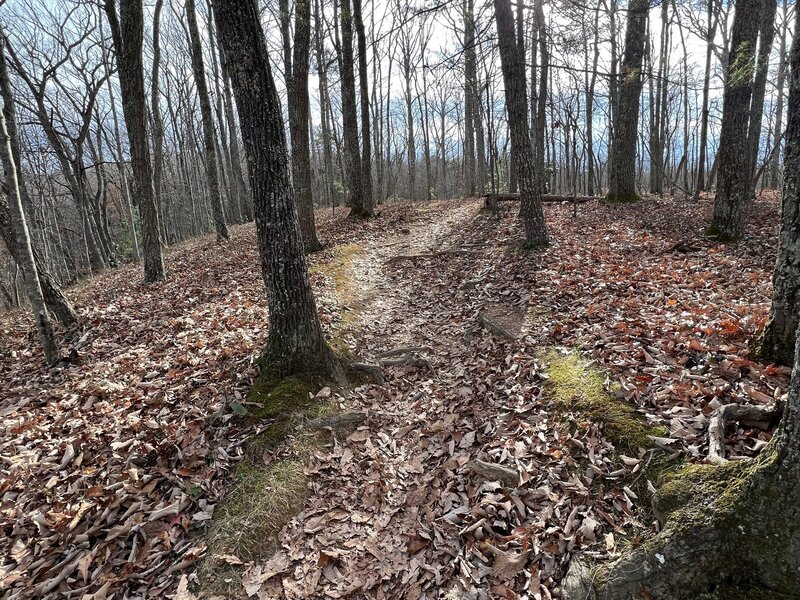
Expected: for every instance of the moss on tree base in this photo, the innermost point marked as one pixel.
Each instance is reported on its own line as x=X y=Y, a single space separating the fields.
x=621 y=198
x=729 y=530
x=713 y=232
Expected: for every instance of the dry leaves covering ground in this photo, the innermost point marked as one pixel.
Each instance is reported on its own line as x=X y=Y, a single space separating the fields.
x=111 y=465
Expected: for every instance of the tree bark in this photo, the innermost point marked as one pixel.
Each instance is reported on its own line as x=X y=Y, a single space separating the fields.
x=368 y=209
x=54 y=297
x=295 y=343
x=701 y=163
x=352 y=151
x=207 y=118
x=471 y=99
x=127 y=33
x=298 y=126
x=767 y=36
x=158 y=122
x=24 y=257
x=622 y=170
x=775 y=161
x=734 y=174
x=777 y=342
x=517 y=106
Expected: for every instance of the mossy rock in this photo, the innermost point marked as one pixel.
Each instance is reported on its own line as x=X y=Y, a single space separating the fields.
x=576 y=387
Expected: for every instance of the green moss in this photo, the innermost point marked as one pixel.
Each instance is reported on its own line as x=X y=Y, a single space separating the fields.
x=576 y=387
x=692 y=485
x=339 y=269
x=621 y=198
x=246 y=524
x=281 y=397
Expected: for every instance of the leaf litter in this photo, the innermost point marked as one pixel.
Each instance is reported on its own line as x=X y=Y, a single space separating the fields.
x=112 y=465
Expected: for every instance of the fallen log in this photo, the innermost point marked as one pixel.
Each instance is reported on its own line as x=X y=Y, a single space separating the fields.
x=514 y=197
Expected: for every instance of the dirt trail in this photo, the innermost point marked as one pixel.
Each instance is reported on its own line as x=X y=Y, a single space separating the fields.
x=386 y=319
x=395 y=512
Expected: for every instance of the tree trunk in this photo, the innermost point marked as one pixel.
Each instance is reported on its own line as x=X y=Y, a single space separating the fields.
x=622 y=170
x=471 y=99
x=207 y=118
x=734 y=175
x=298 y=126
x=352 y=151
x=127 y=33
x=767 y=36
x=777 y=342
x=517 y=106
x=54 y=297
x=701 y=163
x=775 y=161
x=295 y=343
x=368 y=209
x=158 y=122
x=19 y=225
x=322 y=73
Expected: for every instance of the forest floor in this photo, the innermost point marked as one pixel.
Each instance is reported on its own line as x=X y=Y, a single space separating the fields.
x=578 y=369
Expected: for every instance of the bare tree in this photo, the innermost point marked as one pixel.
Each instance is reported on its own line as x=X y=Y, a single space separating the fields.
x=517 y=108
x=295 y=343
x=622 y=169
x=127 y=31
x=209 y=133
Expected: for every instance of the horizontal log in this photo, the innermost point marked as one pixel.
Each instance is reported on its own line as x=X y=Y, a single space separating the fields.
x=509 y=197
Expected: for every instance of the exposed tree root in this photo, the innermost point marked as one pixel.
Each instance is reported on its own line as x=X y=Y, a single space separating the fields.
x=401 y=351
x=731 y=531
x=496 y=327
x=757 y=416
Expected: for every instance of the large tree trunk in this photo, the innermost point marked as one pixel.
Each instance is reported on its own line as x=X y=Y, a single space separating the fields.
x=127 y=32
x=19 y=225
x=734 y=175
x=517 y=106
x=777 y=342
x=298 y=126
x=352 y=151
x=207 y=118
x=733 y=527
x=368 y=209
x=622 y=170
x=295 y=343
